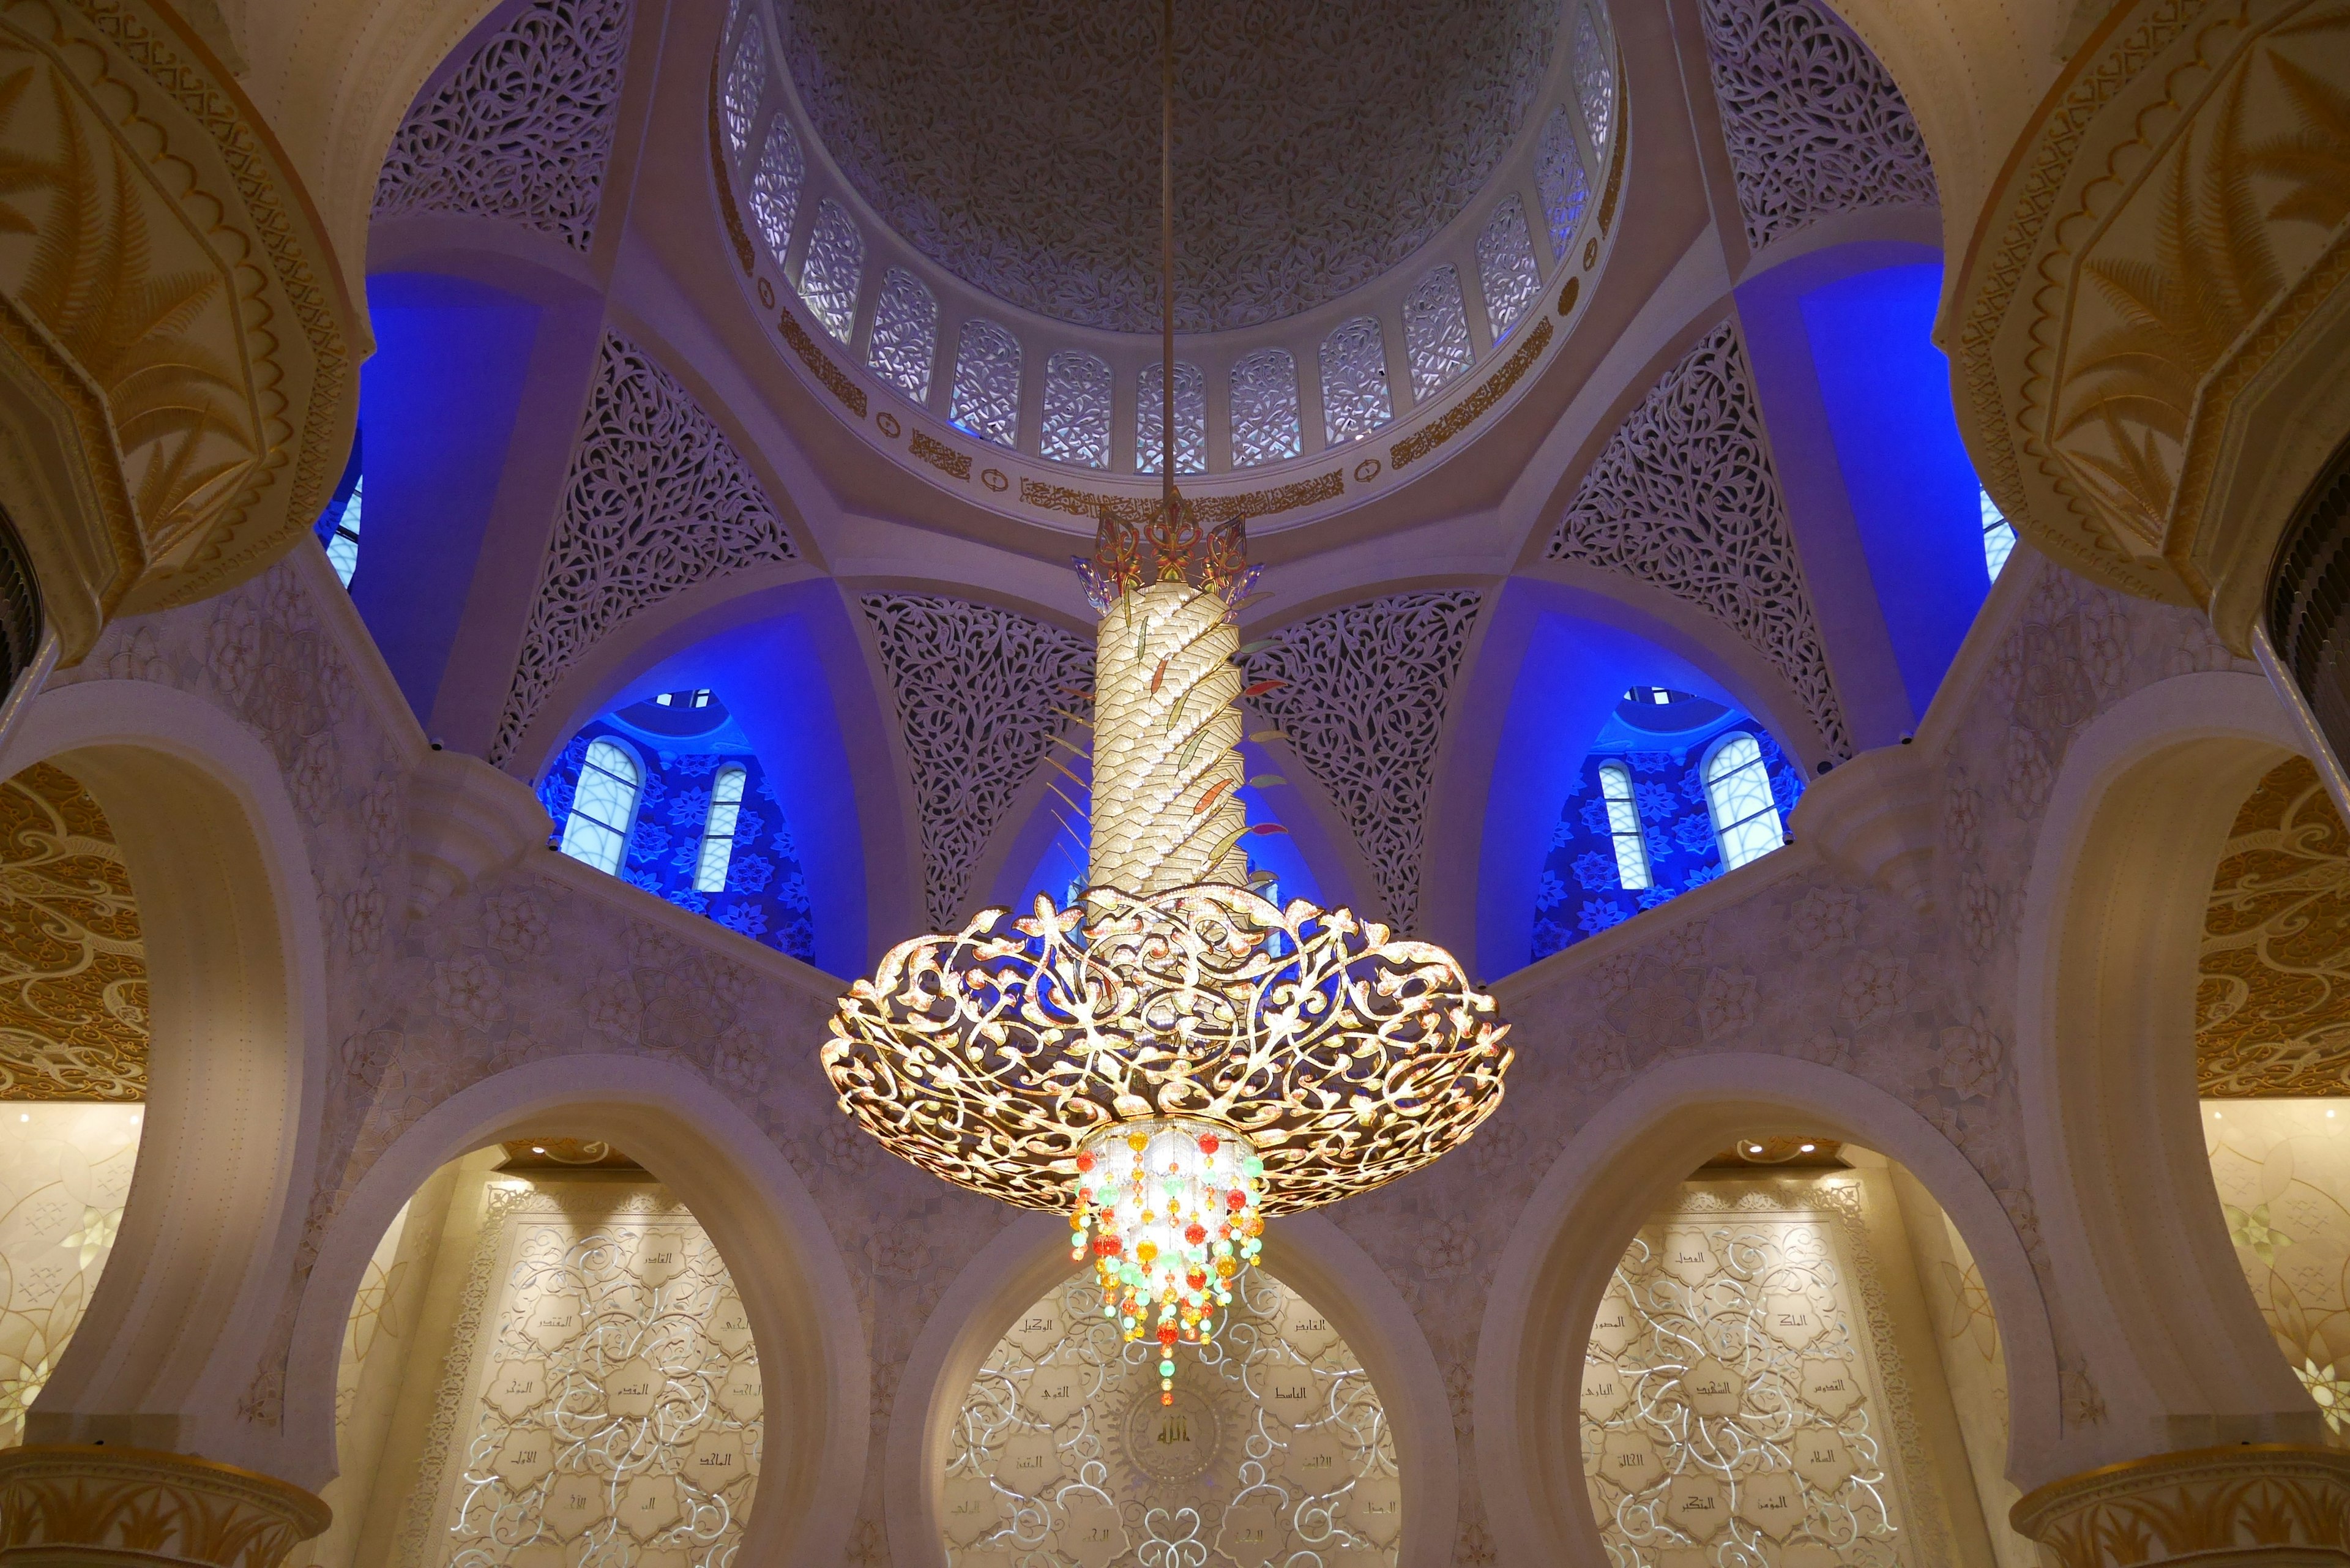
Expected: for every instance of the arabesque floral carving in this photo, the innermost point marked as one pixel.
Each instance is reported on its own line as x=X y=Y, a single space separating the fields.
x=73 y=965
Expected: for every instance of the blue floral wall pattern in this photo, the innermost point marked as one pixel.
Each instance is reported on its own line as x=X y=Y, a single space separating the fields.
x=766 y=894
x=1581 y=891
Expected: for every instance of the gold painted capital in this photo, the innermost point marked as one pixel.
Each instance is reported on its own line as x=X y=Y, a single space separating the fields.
x=2251 y=1504
x=2136 y=315
x=95 y=1504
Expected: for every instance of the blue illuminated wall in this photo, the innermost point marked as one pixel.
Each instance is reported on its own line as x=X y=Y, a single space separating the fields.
x=1887 y=392
x=437 y=400
x=1580 y=894
x=766 y=894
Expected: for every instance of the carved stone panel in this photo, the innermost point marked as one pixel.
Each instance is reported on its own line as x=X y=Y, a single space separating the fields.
x=977 y=691
x=523 y=130
x=1361 y=695
x=1741 y=1400
x=1815 y=125
x=657 y=500
x=1684 y=496
x=1276 y=1445
x=593 y=1410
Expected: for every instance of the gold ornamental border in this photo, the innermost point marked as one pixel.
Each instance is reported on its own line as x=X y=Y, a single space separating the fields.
x=2276 y=1496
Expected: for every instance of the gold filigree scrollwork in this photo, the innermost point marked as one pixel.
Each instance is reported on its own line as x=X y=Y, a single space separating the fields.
x=70 y=1501
x=1347 y=1056
x=2272 y=988
x=73 y=965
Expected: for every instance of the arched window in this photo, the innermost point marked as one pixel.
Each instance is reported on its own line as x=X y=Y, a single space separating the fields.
x=746 y=79
x=603 y=807
x=776 y=186
x=1624 y=827
x=338 y=525
x=1559 y=176
x=1355 y=401
x=1435 y=331
x=1738 y=797
x=1505 y=266
x=836 y=261
x=1265 y=425
x=1999 y=534
x=1594 y=80
x=905 y=334
x=987 y=383
x=718 y=831
x=1190 y=418
x=1076 y=409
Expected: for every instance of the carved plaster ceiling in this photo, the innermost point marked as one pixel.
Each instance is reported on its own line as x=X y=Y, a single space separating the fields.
x=1318 y=144
x=2272 y=992
x=73 y=965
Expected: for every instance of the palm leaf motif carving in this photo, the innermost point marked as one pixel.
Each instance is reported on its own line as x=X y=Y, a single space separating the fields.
x=179 y=404
x=2214 y=274
x=2315 y=159
x=2211 y=273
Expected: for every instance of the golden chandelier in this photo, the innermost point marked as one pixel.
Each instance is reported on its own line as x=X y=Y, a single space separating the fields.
x=1172 y=1057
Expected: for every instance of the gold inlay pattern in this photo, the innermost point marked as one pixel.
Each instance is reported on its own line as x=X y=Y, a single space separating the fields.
x=941 y=456
x=2272 y=993
x=1463 y=414
x=835 y=380
x=72 y=968
x=1210 y=510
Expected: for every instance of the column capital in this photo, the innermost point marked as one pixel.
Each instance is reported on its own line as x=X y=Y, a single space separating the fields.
x=2252 y=1503
x=105 y=1506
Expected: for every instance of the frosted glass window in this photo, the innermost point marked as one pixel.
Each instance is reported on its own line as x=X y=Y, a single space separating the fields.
x=603 y=807
x=1076 y=409
x=1558 y=175
x=343 y=543
x=905 y=334
x=776 y=186
x=836 y=261
x=1505 y=264
x=1354 y=400
x=1738 y=795
x=1624 y=827
x=1265 y=425
x=746 y=79
x=1999 y=534
x=1190 y=418
x=1594 y=80
x=718 y=831
x=987 y=383
x=1435 y=331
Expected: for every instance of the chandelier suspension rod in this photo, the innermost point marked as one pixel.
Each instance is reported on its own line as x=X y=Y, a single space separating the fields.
x=1167 y=263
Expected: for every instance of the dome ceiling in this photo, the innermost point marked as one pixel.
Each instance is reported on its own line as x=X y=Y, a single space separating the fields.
x=1319 y=142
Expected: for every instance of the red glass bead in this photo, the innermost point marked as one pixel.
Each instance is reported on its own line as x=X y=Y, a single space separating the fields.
x=1167 y=1331
x=1209 y=1144
x=1086 y=1160
x=1235 y=1200
x=1195 y=1233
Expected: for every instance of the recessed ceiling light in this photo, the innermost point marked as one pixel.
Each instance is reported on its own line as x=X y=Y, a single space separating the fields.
x=537 y=1148
x=1811 y=1148
x=1754 y=1149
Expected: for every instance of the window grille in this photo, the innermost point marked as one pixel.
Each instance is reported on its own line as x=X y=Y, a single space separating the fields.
x=718 y=831
x=905 y=334
x=987 y=383
x=603 y=807
x=836 y=261
x=343 y=542
x=1076 y=409
x=1998 y=533
x=1435 y=332
x=1190 y=418
x=1355 y=401
x=1265 y=424
x=1738 y=795
x=1559 y=176
x=1624 y=827
x=1594 y=82
x=746 y=79
x=1505 y=264
x=775 y=187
